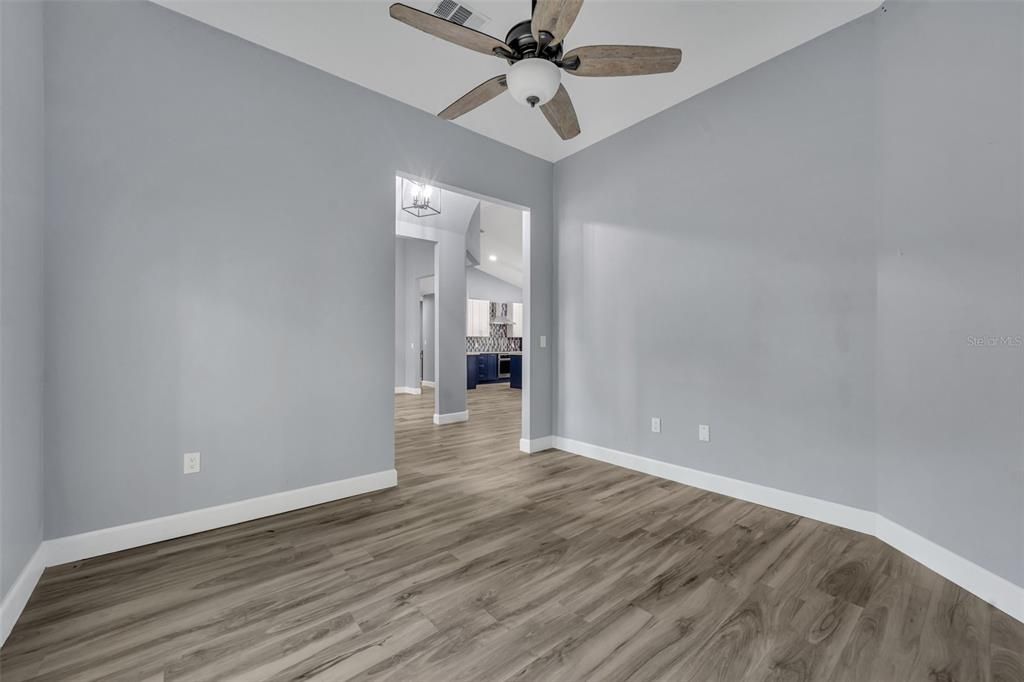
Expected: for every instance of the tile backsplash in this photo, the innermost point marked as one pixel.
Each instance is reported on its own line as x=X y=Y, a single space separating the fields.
x=499 y=341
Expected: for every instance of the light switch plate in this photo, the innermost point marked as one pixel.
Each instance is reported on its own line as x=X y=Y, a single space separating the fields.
x=655 y=424
x=543 y=342
x=192 y=462
x=704 y=433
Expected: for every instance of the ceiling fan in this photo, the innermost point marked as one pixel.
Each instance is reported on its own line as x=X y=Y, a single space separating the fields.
x=533 y=49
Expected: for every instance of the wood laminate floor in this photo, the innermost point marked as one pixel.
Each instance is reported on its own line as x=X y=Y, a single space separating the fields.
x=486 y=564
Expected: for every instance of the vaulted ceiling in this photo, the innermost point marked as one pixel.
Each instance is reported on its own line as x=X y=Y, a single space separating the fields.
x=501 y=237
x=358 y=41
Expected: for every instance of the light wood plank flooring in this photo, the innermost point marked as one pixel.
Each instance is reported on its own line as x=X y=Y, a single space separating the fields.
x=486 y=564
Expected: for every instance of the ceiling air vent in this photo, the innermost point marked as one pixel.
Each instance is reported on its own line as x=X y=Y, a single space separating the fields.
x=458 y=13
x=445 y=8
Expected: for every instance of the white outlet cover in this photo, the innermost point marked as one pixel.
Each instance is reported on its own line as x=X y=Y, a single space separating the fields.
x=192 y=462
x=704 y=433
x=655 y=424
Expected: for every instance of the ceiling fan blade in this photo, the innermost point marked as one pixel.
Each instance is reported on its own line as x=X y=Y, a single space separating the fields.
x=447 y=30
x=481 y=94
x=554 y=16
x=622 y=60
x=561 y=114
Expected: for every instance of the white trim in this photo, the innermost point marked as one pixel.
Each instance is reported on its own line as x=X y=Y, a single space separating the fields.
x=94 y=543
x=984 y=584
x=117 y=538
x=811 y=507
x=407 y=389
x=16 y=598
x=530 y=446
x=428 y=384
x=451 y=418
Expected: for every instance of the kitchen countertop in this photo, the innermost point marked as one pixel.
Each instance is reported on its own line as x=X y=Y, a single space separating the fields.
x=494 y=352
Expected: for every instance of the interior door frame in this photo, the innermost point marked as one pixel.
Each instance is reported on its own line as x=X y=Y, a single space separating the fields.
x=527 y=289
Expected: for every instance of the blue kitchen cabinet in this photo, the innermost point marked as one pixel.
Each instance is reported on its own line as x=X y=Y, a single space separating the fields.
x=515 y=379
x=481 y=369
x=488 y=367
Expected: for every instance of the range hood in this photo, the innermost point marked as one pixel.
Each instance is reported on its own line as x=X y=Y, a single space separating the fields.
x=502 y=314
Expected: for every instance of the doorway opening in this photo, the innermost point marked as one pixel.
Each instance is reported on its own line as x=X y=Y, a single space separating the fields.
x=461 y=311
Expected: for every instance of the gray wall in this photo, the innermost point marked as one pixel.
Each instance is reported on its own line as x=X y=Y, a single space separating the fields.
x=473 y=237
x=400 y=294
x=21 y=286
x=479 y=284
x=217 y=255
x=717 y=266
x=798 y=256
x=417 y=261
x=427 y=328
x=450 y=326
x=950 y=261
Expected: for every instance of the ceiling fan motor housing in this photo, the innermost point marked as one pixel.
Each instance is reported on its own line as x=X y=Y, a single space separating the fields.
x=533 y=81
x=520 y=38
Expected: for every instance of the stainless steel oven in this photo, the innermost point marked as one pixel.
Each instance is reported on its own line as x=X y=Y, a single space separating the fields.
x=504 y=366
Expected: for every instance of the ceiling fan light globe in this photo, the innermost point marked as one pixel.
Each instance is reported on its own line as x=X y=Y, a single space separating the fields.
x=533 y=81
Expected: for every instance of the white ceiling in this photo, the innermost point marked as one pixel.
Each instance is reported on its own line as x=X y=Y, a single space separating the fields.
x=501 y=236
x=501 y=230
x=358 y=41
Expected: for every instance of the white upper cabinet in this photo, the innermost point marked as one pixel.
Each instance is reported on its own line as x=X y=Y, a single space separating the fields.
x=517 y=320
x=478 y=317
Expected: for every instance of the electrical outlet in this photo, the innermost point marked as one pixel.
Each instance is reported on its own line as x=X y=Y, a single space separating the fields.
x=704 y=433
x=192 y=462
x=655 y=424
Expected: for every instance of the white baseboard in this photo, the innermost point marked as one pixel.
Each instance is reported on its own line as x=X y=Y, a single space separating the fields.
x=106 y=540
x=117 y=538
x=407 y=389
x=532 y=445
x=451 y=418
x=984 y=584
x=811 y=507
x=16 y=598
x=428 y=384
x=819 y=510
